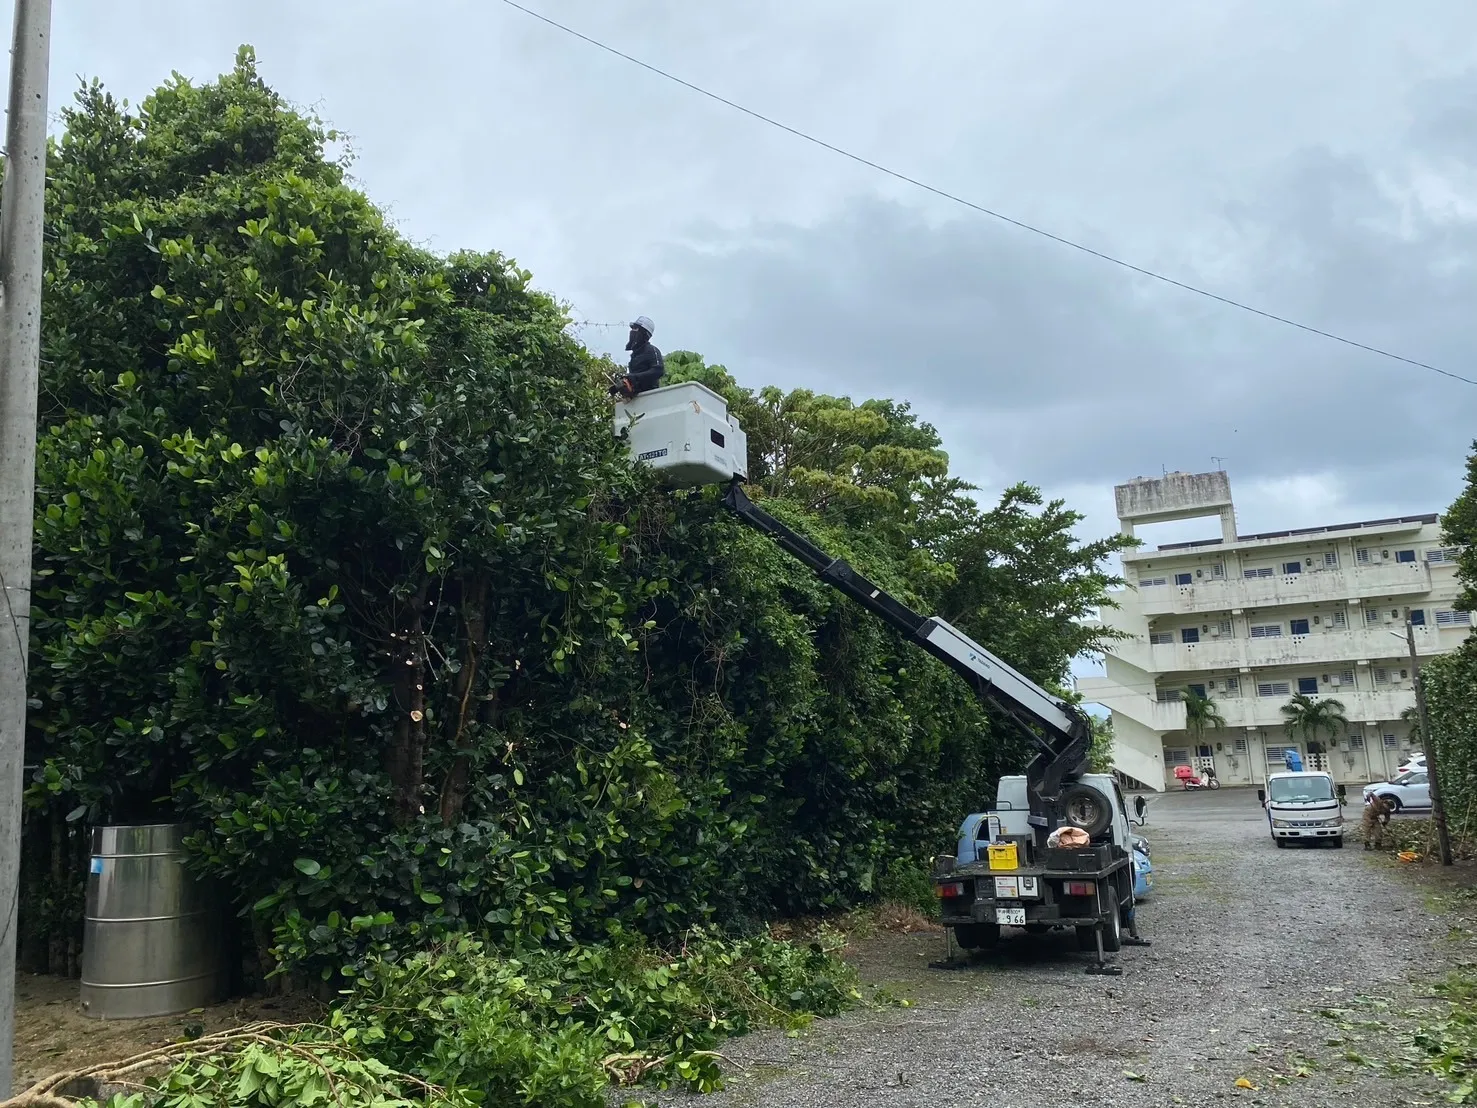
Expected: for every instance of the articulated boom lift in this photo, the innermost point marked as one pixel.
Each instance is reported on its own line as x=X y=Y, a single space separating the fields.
x=685 y=433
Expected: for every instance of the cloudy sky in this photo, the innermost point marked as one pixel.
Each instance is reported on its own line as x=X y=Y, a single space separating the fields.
x=1315 y=159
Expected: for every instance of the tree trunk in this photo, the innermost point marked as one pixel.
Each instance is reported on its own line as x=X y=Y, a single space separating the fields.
x=408 y=750
x=56 y=937
x=34 y=868
x=474 y=618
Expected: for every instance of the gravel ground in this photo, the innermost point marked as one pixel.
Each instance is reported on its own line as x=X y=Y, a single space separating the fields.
x=1249 y=942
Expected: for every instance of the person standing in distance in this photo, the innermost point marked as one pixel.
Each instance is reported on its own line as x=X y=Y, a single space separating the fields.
x=647 y=366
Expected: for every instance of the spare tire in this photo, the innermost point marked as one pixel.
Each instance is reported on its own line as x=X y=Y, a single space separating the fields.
x=1083 y=806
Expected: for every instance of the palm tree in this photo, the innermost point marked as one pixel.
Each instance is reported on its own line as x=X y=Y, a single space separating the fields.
x=1311 y=717
x=1412 y=716
x=1201 y=715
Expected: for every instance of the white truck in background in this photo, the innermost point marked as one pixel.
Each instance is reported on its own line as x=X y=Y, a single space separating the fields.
x=1302 y=807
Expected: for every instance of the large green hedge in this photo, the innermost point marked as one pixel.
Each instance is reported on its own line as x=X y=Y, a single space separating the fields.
x=337 y=559
x=1451 y=680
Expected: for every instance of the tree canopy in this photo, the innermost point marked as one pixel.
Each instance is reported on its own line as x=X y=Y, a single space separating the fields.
x=338 y=561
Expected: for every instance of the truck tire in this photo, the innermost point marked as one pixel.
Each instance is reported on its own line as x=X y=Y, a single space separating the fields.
x=977 y=936
x=1281 y=843
x=1083 y=806
x=1338 y=843
x=1113 y=931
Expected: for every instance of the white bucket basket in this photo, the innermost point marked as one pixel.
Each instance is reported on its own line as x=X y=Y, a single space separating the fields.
x=685 y=433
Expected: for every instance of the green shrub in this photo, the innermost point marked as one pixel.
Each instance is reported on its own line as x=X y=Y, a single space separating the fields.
x=548 y=1026
x=908 y=881
x=462 y=1025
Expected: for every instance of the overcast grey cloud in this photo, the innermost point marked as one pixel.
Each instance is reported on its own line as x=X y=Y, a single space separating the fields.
x=1317 y=159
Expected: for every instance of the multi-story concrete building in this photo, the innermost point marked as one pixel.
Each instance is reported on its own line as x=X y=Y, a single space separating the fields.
x=1250 y=620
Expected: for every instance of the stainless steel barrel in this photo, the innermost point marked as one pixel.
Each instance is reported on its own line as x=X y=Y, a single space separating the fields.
x=152 y=941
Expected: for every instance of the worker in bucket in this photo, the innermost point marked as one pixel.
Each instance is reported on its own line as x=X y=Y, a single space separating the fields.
x=646 y=368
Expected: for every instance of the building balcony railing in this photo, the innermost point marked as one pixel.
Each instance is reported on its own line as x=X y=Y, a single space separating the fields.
x=1319 y=648
x=1360 y=706
x=1315 y=586
x=1248 y=710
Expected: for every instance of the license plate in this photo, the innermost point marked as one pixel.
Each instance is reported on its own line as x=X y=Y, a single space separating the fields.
x=1016 y=917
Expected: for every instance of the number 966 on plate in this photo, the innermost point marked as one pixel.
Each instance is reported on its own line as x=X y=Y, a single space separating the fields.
x=1015 y=917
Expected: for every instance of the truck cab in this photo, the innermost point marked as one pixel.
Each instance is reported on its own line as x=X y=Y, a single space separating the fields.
x=1303 y=806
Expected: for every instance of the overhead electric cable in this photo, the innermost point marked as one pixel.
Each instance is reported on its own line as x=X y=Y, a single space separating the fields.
x=915 y=182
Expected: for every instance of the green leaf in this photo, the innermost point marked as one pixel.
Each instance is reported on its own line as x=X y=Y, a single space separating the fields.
x=307 y=866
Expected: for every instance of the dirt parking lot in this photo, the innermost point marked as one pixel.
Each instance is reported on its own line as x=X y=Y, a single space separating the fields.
x=1249 y=944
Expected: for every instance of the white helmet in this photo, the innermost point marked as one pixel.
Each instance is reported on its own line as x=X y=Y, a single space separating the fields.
x=644 y=322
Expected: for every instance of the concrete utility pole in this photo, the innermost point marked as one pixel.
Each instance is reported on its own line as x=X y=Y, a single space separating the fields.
x=1428 y=743
x=22 y=213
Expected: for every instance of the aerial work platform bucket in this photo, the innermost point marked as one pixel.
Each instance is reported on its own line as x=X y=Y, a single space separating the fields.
x=685 y=433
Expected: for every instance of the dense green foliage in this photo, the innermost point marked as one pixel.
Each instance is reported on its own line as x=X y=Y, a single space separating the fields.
x=1450 y=680
x=457 y=1025
x=337 y=559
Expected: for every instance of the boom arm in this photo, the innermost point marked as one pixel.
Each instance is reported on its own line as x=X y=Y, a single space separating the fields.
x=1060 y=731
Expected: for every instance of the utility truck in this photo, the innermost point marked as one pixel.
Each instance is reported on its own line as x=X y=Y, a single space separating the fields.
x=1010 y=868
x=1303 y=806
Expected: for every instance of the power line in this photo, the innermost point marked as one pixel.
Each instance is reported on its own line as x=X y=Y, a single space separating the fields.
x=1166 y=279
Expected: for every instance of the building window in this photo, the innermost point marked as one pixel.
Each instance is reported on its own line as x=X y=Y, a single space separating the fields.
x=1233 y=685
x=1239 y=746
x=1225 y=628
x=1405 y=555
x=1441 y=555
x=1218 y=570
x=1150 y=582
x=1298 y=626
x=1168 y=696
x=1290 y=568
x=1176 y=756
x=1308 y=686
x=1339 y=621
x=1344 y=680
x=1161 y=638
x=1330 y=559
x=1356 y=742
x=1390 y=742
x=1417 y=617
x=1277 y=755
x=1272 y=688
x=1371 y=615
x=1183 y=579
x=1198 y=690
x=1364 y=555
x=1453 y=618
x=1266 y=630
x=1261 y=571
x=1189 y=634
x=1381 y=676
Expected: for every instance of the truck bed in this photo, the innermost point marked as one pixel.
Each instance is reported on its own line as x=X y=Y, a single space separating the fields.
x=1087 y=863
x=1097 y=864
